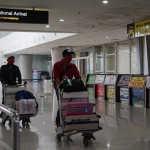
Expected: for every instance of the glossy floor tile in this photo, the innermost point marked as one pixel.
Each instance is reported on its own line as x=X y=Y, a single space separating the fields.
x=124 y=128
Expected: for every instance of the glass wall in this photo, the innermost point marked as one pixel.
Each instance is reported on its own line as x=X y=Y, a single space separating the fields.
x=119 y=58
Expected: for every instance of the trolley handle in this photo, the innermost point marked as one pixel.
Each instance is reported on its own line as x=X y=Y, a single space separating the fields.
x=17 y=85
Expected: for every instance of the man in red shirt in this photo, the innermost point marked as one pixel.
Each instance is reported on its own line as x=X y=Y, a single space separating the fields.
x=64 y=70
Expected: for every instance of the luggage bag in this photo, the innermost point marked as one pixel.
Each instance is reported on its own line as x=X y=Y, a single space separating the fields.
x=26 y=107
x=77 y=108
x=83 y=122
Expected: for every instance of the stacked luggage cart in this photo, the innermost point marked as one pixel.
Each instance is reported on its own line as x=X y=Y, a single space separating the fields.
x=26 y=108
x=77 y=116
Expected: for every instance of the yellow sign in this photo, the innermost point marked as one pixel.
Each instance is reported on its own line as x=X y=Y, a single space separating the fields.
x=137 y=81
x=110 y=92
x=142 y=28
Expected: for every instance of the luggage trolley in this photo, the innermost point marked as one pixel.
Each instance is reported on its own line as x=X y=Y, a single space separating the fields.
x=9 y=100
x=86 y=133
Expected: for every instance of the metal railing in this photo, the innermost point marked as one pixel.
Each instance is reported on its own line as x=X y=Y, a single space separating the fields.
x=15 y=126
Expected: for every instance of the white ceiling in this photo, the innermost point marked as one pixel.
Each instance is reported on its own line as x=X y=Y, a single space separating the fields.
x=92 y=20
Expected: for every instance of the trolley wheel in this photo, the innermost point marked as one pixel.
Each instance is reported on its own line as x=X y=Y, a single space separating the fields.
x=58 y=138
x=23 y=123
x=85 y=141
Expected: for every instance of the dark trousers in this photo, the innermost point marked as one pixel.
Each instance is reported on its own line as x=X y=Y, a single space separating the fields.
x=58 y=113
x=2 y=95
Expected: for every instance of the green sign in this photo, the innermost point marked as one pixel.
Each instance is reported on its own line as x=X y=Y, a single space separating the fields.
x=91 y=94
x=91 y=78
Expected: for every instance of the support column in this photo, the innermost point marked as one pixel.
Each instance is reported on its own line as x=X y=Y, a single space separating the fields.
x=25 y=66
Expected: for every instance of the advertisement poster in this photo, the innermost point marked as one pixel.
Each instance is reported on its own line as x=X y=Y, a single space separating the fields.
x=110 y=92
x=91 y=94
x=142 y=28
x=124 y=80
x=99 y=78
x=91 y=79
x=99 y=90
x=138 y=96
x=110 y=79
x=124 y=94
x=137 y=82
x=99 y=107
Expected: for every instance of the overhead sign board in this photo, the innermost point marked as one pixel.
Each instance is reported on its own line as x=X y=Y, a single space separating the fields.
x=23 y=16
x=130 y=31
x=138 y=29
x=142 y=28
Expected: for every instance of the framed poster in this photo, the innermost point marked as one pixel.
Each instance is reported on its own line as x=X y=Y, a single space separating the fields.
x=91 y=93
x=110 y=92
x=110 y=79
x=99 y=90
x=124 y=80
x=91 y=79
x=99 y=79
x=137 y=82
x=138 y=96
x=124 y=94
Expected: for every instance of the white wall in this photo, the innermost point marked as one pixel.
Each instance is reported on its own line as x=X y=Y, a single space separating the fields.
x=18 y=41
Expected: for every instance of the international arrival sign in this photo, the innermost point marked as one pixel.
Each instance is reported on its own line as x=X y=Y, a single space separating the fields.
x=137 y=82
x=23 y=16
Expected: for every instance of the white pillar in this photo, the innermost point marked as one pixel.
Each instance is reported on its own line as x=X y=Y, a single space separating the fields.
x=25 y=66
x=57 y=54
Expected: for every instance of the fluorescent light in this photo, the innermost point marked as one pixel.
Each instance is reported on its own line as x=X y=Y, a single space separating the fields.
x=47 y=26
x=105 y=1
x=107 y=37
x=61 y=20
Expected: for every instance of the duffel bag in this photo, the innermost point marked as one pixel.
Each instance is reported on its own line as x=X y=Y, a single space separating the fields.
x=75 y=85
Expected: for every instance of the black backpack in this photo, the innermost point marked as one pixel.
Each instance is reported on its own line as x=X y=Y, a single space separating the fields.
x=77 y=85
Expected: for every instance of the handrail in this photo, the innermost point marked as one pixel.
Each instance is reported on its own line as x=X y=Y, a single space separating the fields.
x=15 y=125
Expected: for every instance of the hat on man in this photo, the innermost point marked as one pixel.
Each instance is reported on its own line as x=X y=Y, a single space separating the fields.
x=11 y=57
x=67 y=52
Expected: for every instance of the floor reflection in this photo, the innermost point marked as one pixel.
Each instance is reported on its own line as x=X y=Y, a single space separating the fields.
x=124 y=127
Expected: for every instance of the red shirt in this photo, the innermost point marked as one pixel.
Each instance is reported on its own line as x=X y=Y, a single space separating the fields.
x=59 y=69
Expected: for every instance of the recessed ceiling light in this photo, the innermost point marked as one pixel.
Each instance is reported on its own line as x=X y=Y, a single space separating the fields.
x=105 y=1
x=47 y=26
x=107 y=37
x=61 y=20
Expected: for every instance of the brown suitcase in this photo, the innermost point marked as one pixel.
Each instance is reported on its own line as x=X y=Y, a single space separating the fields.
x=82 y=122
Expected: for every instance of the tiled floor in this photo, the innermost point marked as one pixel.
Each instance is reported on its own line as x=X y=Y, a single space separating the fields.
x=124 y=128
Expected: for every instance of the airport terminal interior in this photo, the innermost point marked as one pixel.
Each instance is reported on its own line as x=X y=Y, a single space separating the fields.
x=111 y=44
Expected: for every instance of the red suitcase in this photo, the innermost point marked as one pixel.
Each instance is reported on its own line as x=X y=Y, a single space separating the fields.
x=77 y=108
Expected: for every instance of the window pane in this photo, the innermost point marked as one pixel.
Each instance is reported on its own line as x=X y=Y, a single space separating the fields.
x=134 y=67
x=110 y=49
x=110 y=63
x=99 y=64
x=123 y=63
x=123 y=47
x=99 y=50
